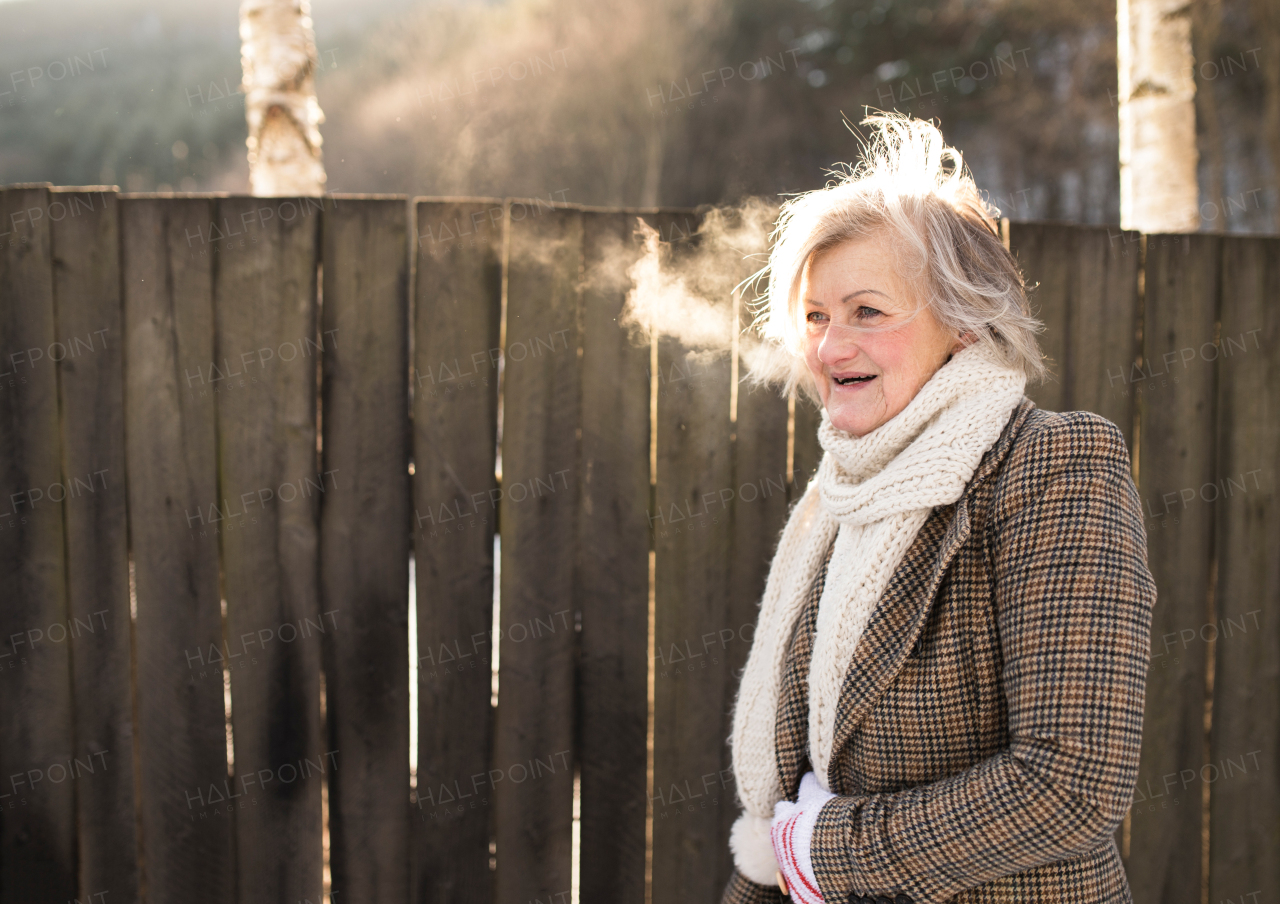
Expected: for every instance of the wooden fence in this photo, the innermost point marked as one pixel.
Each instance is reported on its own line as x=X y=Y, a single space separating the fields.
x=227 y=423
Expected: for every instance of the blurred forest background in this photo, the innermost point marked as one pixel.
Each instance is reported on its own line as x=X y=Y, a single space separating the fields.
x=619 y=102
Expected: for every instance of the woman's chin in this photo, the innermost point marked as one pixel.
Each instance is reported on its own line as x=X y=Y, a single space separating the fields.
x=854 y=419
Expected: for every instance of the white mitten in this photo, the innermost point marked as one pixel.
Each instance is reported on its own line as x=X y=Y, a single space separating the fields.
x=753 y=849
x=792 y=832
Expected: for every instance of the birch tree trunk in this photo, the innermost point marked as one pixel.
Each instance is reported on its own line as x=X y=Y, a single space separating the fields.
x=1157 y=91
x=278 y=55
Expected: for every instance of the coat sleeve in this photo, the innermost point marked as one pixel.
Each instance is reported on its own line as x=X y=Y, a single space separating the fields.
x=1073 y=600
x=742 y=890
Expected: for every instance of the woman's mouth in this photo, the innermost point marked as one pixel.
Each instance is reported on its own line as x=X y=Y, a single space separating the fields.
x=853 y=380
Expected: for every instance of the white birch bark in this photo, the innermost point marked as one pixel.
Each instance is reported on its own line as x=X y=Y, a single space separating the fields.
x=278 y=55
x=1158 y=156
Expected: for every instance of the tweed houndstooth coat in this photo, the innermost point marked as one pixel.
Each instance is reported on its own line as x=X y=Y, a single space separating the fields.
x=989 y=726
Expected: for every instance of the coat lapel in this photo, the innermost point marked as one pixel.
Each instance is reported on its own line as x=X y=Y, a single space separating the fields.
x=904 y=606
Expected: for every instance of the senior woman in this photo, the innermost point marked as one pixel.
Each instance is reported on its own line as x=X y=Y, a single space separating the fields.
x=944 y=697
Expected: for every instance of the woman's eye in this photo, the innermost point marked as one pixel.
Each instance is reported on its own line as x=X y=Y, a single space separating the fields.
x=816 y=317
x=866 y=313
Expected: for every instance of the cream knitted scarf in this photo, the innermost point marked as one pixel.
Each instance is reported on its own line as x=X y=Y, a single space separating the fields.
x=871 y=495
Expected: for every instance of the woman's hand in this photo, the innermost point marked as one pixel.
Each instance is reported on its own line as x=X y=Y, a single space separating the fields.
x=791 y=831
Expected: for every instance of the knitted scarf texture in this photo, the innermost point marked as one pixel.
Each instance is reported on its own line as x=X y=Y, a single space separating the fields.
x=870 y=496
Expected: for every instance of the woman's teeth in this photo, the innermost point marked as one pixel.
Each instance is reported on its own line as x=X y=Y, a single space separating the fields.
x=847 y=380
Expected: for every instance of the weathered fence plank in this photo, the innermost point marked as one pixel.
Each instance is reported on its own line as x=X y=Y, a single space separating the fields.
x=37 y=833
x=86 y=273
x=457 y=313
x=1102 y=322
x=171 y=446
x=1176 y=454
x=1244 y=792
x=270 y=486
x=540 y=472
x=693 y=538
x=1044 y=254
x=364 y=545
x=1083 y=283
x=613 y=571
x=692 y=541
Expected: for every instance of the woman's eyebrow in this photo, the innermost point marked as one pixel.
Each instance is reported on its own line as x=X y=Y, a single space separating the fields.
x=853 y=295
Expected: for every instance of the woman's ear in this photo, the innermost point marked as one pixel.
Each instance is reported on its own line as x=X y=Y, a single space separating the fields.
x=964 y=340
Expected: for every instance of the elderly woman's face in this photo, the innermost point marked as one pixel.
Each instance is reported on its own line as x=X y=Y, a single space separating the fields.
x=866 y=377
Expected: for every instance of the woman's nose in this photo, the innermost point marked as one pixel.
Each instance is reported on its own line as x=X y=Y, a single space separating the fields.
x=839 y=343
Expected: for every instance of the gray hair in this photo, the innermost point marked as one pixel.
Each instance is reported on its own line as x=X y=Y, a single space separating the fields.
x=947 y=241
